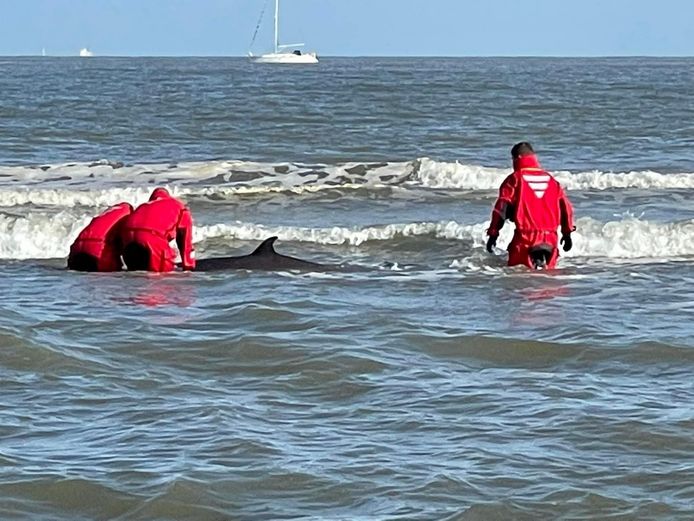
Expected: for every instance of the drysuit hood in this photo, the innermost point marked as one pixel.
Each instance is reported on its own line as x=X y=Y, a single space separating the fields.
x=159 y=193
x=528 y=161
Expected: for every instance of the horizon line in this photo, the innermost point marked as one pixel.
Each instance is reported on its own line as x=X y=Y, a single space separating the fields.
x=447 y=56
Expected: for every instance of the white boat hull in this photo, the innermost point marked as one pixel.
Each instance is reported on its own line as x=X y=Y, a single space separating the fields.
x=286 y=57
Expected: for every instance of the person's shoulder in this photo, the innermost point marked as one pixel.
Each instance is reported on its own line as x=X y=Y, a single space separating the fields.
x=543 y=171
x=551 y=176
x=554 y=181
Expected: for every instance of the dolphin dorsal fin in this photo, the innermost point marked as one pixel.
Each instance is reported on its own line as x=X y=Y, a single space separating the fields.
x=266 y=247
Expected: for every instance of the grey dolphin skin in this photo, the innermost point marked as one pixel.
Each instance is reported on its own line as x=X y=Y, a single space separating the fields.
x=263 y=258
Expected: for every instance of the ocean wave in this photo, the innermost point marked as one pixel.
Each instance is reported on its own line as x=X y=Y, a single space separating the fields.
x=104 y=183
x=436 y=174
x=43 y=235
x=627 y=238
x=101 y=183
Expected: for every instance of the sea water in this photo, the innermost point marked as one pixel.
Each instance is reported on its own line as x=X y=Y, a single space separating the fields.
x=431 y=383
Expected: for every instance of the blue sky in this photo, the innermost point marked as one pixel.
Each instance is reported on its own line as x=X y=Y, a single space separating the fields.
x=351 y=27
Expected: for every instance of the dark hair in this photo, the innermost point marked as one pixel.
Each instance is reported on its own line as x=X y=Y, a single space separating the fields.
x=521 y=149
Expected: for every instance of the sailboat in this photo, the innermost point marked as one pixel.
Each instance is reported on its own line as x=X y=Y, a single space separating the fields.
x=283 y=53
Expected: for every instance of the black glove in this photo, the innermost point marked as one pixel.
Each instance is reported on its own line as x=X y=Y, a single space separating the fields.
x=491 y=242
x=566 y=242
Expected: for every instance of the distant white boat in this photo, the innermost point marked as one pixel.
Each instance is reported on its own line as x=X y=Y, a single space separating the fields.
x=283 y=53
x=86 y=53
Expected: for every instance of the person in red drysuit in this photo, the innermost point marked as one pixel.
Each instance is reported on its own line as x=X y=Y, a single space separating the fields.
x=146 y=234
x=98 y=246
x=536 y=203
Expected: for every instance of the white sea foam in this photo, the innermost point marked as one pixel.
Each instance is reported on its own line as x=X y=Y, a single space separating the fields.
x=103 y=197
x=49 y=235
x=337 y=235
x=67 y=198
x=435 y=174
x=632 y=238
x=104 y=183
x=39 y=235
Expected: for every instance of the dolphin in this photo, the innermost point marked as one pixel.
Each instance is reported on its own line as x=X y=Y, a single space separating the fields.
x=264 y=257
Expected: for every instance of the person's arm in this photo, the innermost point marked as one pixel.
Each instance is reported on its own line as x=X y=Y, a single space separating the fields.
x=502 y=210
x=567 y=214
x=503 y=207
x=184 y=239
x=567 y=220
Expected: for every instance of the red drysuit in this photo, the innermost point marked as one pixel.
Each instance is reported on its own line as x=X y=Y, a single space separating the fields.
x=535 y=201
x=154 y=224
x=100 y=239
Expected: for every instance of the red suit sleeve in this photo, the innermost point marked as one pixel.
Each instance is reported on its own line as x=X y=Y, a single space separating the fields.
x=184 y=239
x=567 y=214
x=507 y=195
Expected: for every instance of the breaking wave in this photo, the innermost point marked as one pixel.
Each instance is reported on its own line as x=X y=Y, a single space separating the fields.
x=104 y=183
x=43 y=235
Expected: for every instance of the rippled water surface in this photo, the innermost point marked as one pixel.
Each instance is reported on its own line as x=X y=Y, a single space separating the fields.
x=426 y=380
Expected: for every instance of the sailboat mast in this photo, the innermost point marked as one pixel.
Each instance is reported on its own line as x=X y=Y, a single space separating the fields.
x=277 y=26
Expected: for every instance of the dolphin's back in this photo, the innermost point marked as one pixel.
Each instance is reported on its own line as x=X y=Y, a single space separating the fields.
x=264 y=257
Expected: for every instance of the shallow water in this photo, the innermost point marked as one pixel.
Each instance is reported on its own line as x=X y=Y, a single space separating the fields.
x=433 y=382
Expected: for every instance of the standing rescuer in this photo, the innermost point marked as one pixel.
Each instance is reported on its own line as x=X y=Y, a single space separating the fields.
x=98 y=246
x=147 y=233
x=536 y=203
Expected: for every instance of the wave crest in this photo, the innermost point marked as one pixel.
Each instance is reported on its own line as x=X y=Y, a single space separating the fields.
x=43 y=235
x=105 y=183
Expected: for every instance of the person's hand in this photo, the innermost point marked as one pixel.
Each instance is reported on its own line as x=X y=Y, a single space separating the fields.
x=566 y=242
x=491 y=242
